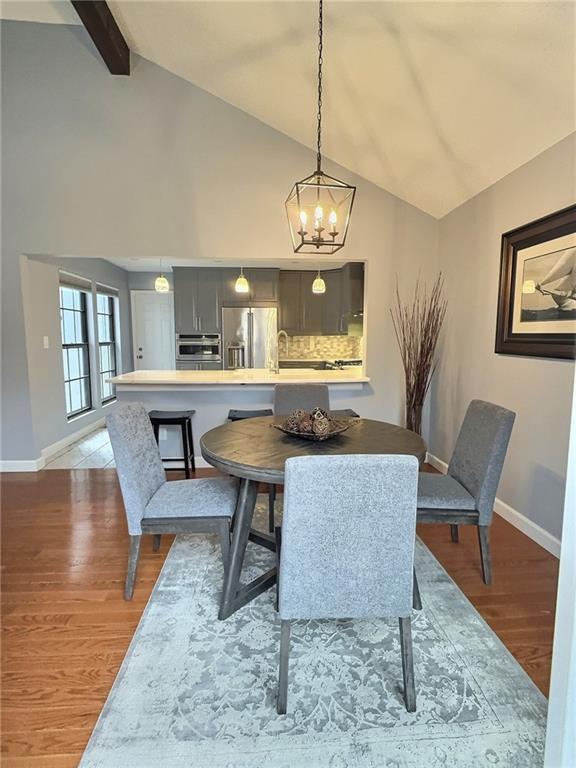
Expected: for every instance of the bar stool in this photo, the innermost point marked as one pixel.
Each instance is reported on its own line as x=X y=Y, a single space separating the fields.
x=182 y=419
x=238 y=415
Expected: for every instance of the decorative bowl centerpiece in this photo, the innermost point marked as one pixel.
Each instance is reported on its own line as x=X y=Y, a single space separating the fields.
x=314 y=425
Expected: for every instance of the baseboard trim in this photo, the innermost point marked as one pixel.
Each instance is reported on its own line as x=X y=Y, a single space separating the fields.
x=517 y=519
x=51 y=451
x=61 y=446
x=33 y=465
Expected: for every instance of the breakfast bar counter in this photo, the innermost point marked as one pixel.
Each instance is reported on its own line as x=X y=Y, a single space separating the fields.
x=243 y=377
x=211 y=394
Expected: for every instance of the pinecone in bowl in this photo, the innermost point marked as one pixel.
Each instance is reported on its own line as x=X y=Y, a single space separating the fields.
x=292 y=422
x=321 y=425
x=306 y=424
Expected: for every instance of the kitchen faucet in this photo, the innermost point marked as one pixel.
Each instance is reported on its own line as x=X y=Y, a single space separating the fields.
x=281 y=332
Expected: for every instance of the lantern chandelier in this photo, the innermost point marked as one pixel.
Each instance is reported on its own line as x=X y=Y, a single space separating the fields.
x=319 y=206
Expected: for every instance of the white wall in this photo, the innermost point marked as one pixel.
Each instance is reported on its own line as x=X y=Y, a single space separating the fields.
x=151 y=166
x=538 y=390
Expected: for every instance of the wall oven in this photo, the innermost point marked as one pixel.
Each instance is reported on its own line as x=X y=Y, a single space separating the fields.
x=199 y=348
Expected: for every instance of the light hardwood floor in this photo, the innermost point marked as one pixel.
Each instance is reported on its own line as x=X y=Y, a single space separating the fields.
x=66 y=626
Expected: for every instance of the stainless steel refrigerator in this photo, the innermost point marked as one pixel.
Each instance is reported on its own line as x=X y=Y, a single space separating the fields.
x=249 y=337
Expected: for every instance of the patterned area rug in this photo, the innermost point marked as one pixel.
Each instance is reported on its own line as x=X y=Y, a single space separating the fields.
x=195 y=692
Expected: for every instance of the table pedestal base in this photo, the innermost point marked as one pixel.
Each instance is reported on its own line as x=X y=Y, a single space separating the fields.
x=235 y=595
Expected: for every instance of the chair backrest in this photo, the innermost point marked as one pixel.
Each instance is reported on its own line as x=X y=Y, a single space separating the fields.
x=348 y=533
x=137 y=459
x=480 y=451
x=290 y=397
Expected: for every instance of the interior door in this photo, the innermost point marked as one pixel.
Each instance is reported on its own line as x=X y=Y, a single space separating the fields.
x=153 y=330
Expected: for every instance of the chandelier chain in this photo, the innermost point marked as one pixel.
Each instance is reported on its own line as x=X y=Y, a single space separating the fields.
x=320 y=62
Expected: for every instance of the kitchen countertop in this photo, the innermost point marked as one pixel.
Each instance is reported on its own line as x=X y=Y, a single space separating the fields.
x=250 y=376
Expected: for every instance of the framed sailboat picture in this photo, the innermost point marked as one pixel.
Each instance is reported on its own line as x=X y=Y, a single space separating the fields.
x=537 y=294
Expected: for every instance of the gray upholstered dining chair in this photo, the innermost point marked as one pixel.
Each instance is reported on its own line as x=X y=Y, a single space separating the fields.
x=466 y=494
x=156 y=506
x=290 y=397
x=348 y=535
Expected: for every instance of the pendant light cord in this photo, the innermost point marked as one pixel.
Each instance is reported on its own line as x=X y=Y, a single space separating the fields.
x=320 y=62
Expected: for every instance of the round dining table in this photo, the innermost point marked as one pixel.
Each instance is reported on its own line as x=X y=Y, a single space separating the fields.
x=255 y=451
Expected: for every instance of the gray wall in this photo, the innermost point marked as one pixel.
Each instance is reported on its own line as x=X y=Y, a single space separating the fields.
x=151 y=166
x=40 y=303
x=539 y=390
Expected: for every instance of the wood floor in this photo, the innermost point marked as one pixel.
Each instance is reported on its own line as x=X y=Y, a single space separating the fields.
x=66 y=626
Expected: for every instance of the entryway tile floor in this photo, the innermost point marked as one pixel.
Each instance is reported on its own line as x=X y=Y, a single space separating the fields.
x=91 y=452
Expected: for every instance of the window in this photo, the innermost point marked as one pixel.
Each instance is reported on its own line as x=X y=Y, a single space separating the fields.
x=105 y=307
x=75 y=350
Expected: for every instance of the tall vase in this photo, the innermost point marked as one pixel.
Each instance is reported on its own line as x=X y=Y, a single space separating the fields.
x=414 y=418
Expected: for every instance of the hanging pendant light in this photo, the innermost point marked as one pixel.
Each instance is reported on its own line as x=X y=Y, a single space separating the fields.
x=318 y=286
x=319 y=206
x=161 y=284
x=242 y=285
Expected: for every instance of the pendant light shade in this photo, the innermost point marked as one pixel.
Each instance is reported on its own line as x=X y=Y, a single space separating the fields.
x=161 y=284
x=242 y=285
x=319 y=206
x=318 y=286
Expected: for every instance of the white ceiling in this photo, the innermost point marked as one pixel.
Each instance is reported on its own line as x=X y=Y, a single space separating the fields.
x=433 y=101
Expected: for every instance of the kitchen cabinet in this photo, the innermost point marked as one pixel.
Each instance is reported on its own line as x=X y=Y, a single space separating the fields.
x=332 y=312
x=312 y=306
x=353 y=289
x=197 y=300
x=303 y=313
x=290 y=314
x=208 y=315
x=183 y=366
x=263 y=286
x=185 y=291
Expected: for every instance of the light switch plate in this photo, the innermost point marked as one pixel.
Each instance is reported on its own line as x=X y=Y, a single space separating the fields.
x=46 y=341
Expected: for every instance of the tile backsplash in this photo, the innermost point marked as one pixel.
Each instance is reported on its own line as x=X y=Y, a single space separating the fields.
x=320 y=348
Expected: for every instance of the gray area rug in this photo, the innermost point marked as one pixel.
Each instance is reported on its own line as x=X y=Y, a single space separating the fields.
x=195 y=692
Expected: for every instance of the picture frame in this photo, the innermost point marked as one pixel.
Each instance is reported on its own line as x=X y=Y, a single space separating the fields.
x=537 y=289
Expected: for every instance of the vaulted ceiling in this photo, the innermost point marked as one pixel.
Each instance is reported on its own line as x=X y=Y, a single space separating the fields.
x=433 y=101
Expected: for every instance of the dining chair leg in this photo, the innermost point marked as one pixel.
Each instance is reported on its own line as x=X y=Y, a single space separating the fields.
x=282 y=700
x=278 y=537
x=132 y=566
x=416 y=599
x=157 y=540
x=407 y=663
x=224 y=535
x=485 y=556
x=454 y=534
x=186 y=451
x=271 y=499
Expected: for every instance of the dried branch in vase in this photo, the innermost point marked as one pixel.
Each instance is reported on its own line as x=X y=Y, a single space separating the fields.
x=417 y=326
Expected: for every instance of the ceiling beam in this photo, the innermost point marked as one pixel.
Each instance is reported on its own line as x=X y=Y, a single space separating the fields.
x=105 y=33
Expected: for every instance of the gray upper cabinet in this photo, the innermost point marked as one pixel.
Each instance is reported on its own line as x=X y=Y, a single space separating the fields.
x=290 y=309
x=208 y=315
x=185 y=291
x=312 y=306
x=197 y=300
x=332 y=311
x=353 y=288
x=263 y=286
